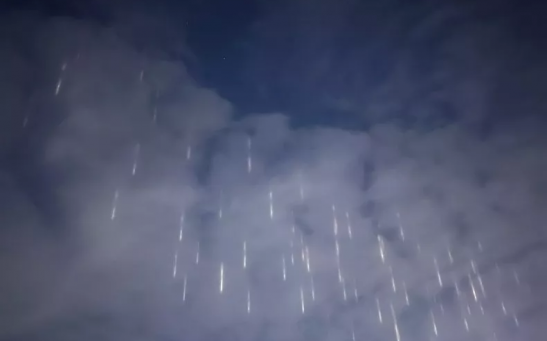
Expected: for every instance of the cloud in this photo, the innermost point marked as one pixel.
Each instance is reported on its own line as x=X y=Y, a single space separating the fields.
x=178 y=220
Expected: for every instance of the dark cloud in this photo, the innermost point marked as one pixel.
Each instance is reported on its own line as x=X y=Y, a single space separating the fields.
x=151 y=191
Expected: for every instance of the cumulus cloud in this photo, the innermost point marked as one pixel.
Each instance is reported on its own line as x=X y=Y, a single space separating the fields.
x=172 y=219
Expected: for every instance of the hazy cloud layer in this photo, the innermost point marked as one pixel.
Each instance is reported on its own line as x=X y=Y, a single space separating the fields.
x=131 y=148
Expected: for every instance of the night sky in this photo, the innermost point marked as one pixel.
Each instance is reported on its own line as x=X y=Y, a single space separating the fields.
x=335 y=170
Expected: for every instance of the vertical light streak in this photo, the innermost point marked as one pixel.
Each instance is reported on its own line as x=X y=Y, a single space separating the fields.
x=395 y=323
x=379 y=309
x=284 y=268
x=479 y=278
x=181 y=227
x=271 y=205
x=249 y=159
x=114 y=205
x=393 y=284
x=221 y=277
x=335 y=221
x=381 y=248
x=439 y=278
x=184 y=289
x=188 y=153
x=345 y=295
x=308 y=259
x=312 y=288
x=175 y=265
x=434 y=324
x=302 y=300
x=450 y=256
x=244 y=254
x=197 y=254
x=473 y=288
x=407 y=301
x=136 y=159
x=58 y=88
x=401 y=230
x=248 y=301
x=350 y=233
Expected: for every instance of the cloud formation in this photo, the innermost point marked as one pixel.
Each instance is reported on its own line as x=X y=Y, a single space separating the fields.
x=167 y=218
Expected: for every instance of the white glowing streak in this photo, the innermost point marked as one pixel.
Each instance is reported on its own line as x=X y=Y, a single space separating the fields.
x=401 y=231
x=481 y=308
x=249 y=160
x=137 y=150
x=503 y=308
x=175 y=265
x=181 y=227
x=344 y=290
x=188 y=152
x=355 y=293
x=465 y=323
x=473 y=289
x=457 y=287
x=221 y=277
x=58 y=86
x=450 y=256
x=395 y=323
x=114 y=205
x=381 y=247
x=434 y=324
x=337 y=247
x=379 y=310
x=393 y=284
x=350 y=234
x=63 y=68
x=515 y=318
x=335 y=221
x=407 y=301
x=439 y=278
x=271 y=205
x=302 y=300
x=312 y=289
x=302 y=249
x=516 y=276
x=352 y=333
x=284 y=269
x=244 y=254
x=197 y=254
x=308 y=259
x=473 y=266
x=479 y=244
x=340 y=278
x=248 y=301
x=249 y=164
x=184 y=289
x=481 y=285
